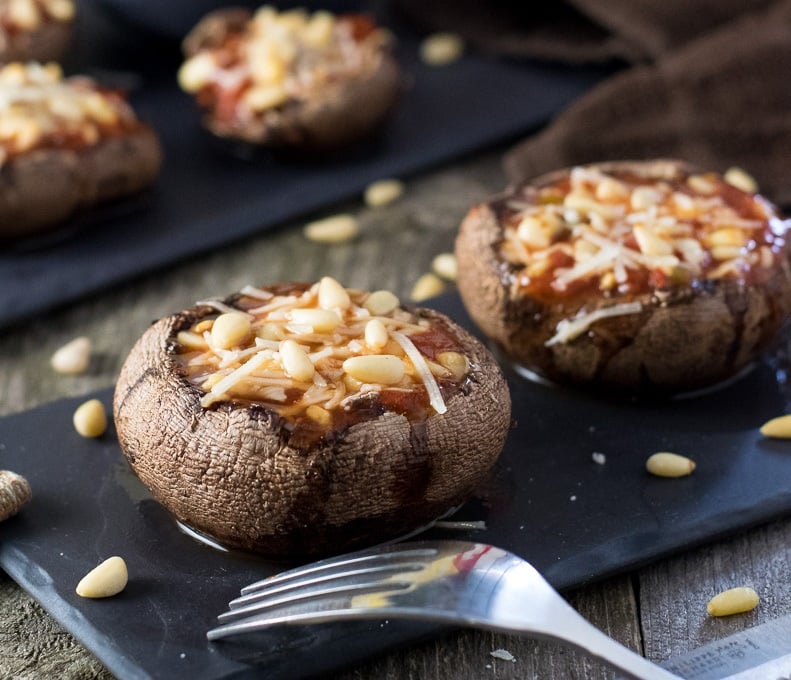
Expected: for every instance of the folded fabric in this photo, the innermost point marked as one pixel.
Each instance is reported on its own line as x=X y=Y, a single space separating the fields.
x=722 y=100
x=577 y=31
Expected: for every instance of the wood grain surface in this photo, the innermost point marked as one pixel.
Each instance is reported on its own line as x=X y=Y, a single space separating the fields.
x=659 y=610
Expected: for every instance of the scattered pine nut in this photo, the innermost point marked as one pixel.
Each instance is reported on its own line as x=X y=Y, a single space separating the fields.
x=427 y=286
x=441 y=49
x=335 y=229
x=664 y=464
x=599 y=458
x=106 y=580
x=90 y=419
x=741 y=180
x=73 y=357
x=777 y=428
x=733 y=601
x=383 y=192
x=14 y=493
x=445 y=266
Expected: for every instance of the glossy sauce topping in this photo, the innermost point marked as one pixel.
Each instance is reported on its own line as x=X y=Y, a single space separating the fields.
x=619 y=233
x=322 y=356
x=278 y=57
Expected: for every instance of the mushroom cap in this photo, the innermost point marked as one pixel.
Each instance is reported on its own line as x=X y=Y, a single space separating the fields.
x=684 y=338
x=232 y=471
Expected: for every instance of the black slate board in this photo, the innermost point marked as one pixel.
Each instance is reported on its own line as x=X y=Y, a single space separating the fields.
x=547 y=501
x=206 y=196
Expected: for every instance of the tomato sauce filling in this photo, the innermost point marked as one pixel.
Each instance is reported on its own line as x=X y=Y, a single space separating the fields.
x=320 y=356
x=596 y=233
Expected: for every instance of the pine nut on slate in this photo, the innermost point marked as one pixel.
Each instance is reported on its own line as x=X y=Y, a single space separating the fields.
x=90 y=419
x=105 y=580
x=441 y=49
x=665 y=464
x=733 y=601
x=777 y=428
x=445 y=266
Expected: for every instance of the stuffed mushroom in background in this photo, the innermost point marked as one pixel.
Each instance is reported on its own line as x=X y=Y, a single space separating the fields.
x=293 y=80
x=66 y=145
x=644 y=277
x=35 y=30
x=304 y=419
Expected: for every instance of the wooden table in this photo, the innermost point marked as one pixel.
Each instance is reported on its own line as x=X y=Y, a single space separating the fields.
x=659 y=610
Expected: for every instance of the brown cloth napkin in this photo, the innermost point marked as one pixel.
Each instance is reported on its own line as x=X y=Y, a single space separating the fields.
x=721 y=100
x=577 y=31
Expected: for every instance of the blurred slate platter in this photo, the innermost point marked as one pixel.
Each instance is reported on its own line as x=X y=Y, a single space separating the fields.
x=208 y=196
x=546 y=500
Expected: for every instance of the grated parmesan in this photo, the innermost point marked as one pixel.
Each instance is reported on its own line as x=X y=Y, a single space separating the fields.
x=568 y=329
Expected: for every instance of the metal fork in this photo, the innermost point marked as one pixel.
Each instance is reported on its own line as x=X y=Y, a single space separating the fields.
x=447 y=582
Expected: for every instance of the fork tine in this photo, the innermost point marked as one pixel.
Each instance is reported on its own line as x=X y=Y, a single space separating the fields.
x=269 y=590
x=328 y=593
x=341 y=564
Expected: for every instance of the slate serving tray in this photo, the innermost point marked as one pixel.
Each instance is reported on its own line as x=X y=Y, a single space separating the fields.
x=546 y=500
x=207 y=195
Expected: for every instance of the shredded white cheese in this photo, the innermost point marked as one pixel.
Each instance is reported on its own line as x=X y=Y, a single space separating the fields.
x=434 y=395
x=568 y=329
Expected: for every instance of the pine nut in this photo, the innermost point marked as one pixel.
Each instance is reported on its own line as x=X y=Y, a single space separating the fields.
x=457 y=364
x=318 y=414
x=73 y=357
x=723 y=253
x=427 y=286
x=701 y=184
x=383 y=192
x=62 y=10
x=332 y=295
x=90 y=419
x=441 y=49
x=666 y=464
x=106 y=580
x=230 y=330
x=335 y=229
x=381 y=369
x=445 y=266
x=777 y=428
x=650 y=243
x=644 y=197
x=740 y=179
x=610 y=189
x=320 y=320
x=190 y=340
x=727 y=237
x=270 y=331
x=733 y=601
x=296 y=363
x=381 y=302
x=14 y=493
x=376 y=335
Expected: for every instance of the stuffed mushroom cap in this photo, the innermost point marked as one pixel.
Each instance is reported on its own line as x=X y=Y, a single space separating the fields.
x=290 y=80
x=304 y=419
x=66 y=145
x=35 y=30
x=646 y=277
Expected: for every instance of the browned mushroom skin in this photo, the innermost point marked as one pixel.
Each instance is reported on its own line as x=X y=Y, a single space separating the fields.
x=685 y=337
x=234 y=472
x=42 y=188
x=345 y=111
x=49 y=42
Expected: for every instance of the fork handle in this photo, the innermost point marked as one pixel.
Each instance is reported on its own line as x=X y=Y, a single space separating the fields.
x=572 y=628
